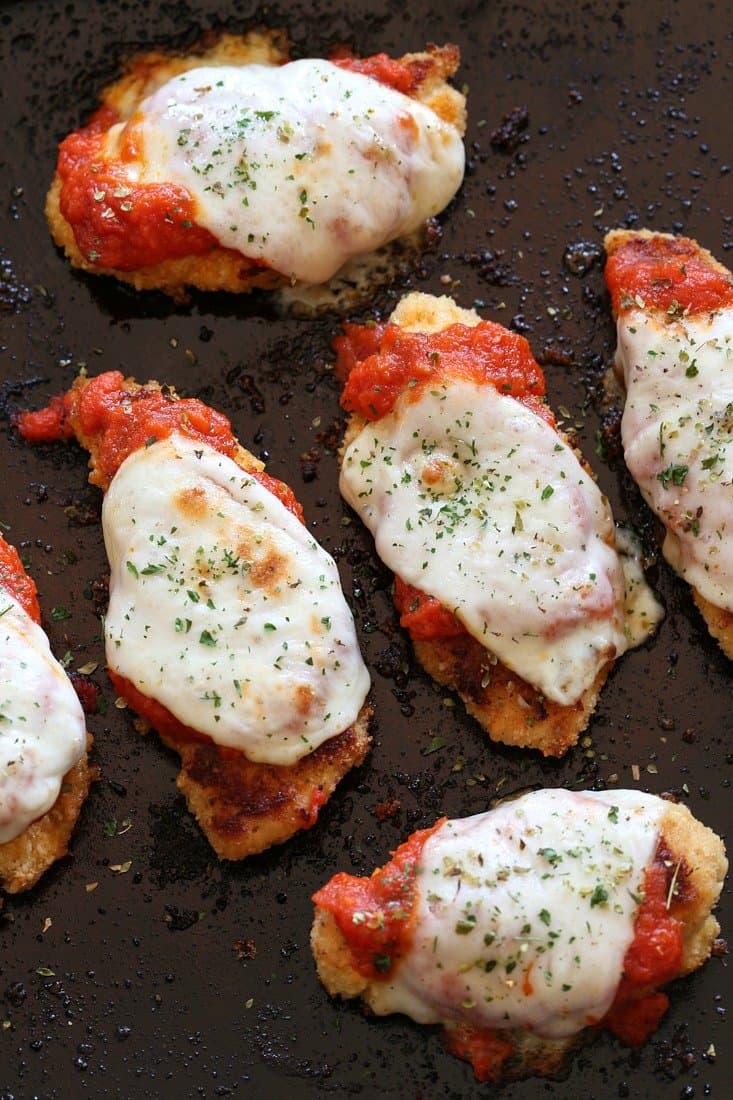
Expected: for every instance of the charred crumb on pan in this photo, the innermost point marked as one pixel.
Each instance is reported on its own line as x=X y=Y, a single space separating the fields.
x=580 y=257
x=330 y=437
x=491 y=266
x=393 y=662
x=245 y=950
x=511 y=131
x=387 y=810
x=309 y=461
x=610 y=448
x=556 y=356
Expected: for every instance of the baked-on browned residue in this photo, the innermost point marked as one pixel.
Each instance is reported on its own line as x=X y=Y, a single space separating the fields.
x=192 y=502
x=268 y=572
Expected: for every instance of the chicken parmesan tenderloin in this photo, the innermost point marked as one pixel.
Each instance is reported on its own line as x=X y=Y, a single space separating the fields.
x=673 y=305
x=524 y=929
x=507 y=574
x=44 y=768
x=227 y=630
x=232 y=167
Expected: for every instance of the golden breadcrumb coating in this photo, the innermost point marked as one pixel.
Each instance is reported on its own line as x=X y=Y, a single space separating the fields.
x=245 y=807
x=25 y=858
x=719 y=622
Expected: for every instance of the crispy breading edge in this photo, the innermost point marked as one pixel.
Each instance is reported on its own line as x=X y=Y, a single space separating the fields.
x=696 y=846
x=509 y=709
x=245 y=807
x=224 y=269
x=28 y=856
x=259 y=804
x=718 y=620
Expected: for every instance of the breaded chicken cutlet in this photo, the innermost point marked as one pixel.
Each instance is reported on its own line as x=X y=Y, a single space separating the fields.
x=673 y=306
x=231 y=167
x=44 y=767
x=525 y=929
x=227 y=630
x=502 y=546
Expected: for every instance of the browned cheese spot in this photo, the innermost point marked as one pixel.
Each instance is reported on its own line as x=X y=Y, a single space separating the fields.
x=192 y=502
x=437 y=470
x=304 y=698
x=269 y=572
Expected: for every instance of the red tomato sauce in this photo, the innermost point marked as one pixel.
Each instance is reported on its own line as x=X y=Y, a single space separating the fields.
x=357 y=343
x=118 y=223
x=376 y=915
x=666 y=273
x=483 y=1048
x=379 y=362
x=317 y=800
x=159 y=717
x=654 y=956
x=423 y=615
x=16 y=582
x=403 y=76
x=487 y=353
x=120 y=421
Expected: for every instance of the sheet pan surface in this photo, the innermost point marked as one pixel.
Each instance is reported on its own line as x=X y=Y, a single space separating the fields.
x=142 y=965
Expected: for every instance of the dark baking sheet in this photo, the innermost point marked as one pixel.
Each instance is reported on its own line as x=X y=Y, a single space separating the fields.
x=183 y=976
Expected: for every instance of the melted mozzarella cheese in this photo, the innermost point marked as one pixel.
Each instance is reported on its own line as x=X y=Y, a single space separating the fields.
x=301 y=166
x=42 y=728
x=526 y=912
x=224 y=608
x=642 y=610
x=474 y=499
x=677 y=432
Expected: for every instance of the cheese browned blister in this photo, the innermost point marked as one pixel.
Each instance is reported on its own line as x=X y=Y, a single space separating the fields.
x=673 y=306
x=227 y=629
x=475 y=500
x=44 y=768
x=525 y=927
x=291 y=169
